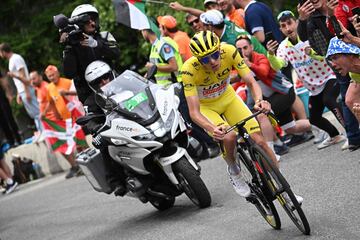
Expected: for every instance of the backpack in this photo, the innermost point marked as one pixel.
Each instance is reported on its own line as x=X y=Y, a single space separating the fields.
x=26 y=170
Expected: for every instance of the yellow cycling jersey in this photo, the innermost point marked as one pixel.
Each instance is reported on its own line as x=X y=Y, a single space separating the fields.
x=208 y=85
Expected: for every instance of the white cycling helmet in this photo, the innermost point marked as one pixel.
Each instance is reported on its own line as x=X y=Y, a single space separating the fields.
x=94 y=71
x=84 y=8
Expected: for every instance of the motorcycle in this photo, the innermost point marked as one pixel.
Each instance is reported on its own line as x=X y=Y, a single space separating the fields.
x=146 y=135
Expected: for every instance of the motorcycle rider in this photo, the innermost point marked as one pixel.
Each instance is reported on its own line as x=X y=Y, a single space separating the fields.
x=98 y=74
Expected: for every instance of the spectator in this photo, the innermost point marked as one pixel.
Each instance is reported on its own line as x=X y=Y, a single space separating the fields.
x=211 y=4
x=345 y=59
x=47 y=108
x=7 y=121
x=6 y=176
x=168 y=28
x=165 y=55
x=312 y=26
x=20 y=74
x=259 y=19
x=231 y=13
x=276 y=89
x=341 y=9
x=193 y=11
x=228 y=32
x=194 y=22
x=316 y=76
x=58 y=91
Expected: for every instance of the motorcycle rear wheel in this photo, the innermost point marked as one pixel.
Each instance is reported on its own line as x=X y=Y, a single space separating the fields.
x=191 y=183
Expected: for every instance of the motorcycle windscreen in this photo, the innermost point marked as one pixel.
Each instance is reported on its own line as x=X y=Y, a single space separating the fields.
x=132 y=95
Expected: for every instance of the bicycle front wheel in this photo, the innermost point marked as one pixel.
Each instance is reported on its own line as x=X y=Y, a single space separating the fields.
x=265 y=206
x=280 y=189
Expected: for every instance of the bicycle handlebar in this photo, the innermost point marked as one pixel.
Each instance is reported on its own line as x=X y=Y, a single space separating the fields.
x=242 y=122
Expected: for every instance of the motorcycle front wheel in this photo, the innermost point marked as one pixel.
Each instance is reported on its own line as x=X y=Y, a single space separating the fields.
x=191 y=183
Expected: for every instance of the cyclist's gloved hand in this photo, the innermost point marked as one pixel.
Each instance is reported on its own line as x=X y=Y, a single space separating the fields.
x=219 y=132
x=263 y=106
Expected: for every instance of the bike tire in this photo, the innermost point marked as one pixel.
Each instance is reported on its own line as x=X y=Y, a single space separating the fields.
x=191 y=183
x=279 y=186
x=265 y=206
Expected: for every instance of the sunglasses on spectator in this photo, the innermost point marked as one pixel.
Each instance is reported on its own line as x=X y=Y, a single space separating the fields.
x=206 y=59
x=286 y=13
x=193 y=22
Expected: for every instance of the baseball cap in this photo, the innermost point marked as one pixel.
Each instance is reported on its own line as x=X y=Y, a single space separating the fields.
x=51 y=69
x=212 y=17
x=167 y=21
x=286 y=13
x=337 y=46
x=209 y=1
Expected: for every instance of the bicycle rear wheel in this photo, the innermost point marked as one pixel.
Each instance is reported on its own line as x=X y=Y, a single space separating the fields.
x=281 y=190
x=265 y=206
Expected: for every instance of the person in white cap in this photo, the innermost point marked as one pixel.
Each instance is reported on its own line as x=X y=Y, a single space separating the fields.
x=227 y=31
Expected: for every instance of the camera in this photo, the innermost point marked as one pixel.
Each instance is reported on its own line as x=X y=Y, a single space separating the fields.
x=72 y=26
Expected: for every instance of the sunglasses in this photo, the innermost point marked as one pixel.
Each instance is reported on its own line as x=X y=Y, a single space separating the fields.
x=285 y=14
x=206 y=59
x=196 y=21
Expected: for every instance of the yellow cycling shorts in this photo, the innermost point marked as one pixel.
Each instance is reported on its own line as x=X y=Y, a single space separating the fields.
x=229 y=111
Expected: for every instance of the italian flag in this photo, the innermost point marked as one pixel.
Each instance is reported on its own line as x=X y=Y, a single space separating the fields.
x=63 y=135
x=132 y=14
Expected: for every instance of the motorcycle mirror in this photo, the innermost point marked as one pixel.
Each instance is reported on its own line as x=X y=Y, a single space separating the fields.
x=85 y=119
x=151 y=72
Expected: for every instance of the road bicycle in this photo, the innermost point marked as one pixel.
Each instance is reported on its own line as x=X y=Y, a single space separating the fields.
x=266 y=181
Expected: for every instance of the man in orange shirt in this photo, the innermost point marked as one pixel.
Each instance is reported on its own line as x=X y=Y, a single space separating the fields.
x=168 y=29
x=46 y=108
x=61 y=93
x=231 y=13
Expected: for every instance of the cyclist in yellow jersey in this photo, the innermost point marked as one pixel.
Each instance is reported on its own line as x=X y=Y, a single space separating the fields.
x=213 y=103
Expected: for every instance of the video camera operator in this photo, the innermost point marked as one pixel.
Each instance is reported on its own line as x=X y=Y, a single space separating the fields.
x=84 y=43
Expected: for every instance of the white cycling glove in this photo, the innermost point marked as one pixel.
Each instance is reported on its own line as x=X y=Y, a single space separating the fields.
x=92 y=42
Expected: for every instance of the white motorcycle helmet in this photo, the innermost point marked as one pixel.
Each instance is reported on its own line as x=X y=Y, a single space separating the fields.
x=87 y=9
x=84 y=8
x=97 y=71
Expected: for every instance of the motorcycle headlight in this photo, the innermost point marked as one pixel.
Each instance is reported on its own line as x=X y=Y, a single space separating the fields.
x=148 y=137
x=158 y=128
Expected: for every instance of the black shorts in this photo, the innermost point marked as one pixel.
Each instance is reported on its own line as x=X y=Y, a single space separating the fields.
x=281 y=105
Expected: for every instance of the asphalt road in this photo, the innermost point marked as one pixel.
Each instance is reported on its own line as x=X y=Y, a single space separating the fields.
x=55 y=208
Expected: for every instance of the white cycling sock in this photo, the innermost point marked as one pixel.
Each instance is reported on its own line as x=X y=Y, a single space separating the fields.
x=234 y=169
